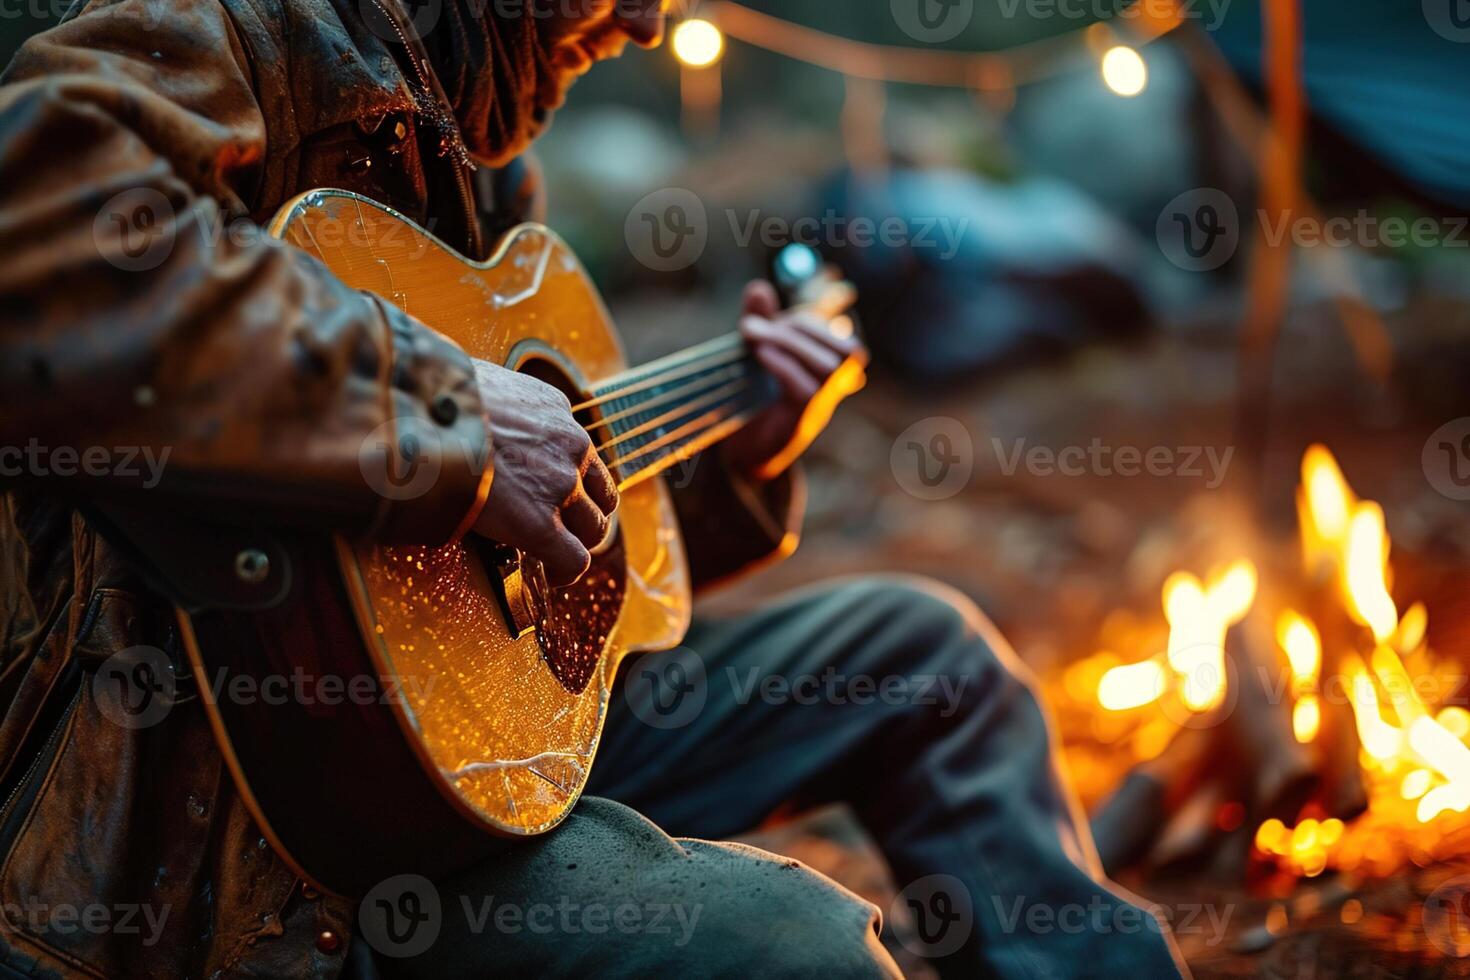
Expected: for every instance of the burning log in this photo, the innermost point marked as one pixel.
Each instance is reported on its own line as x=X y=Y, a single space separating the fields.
x=1330 y=745
x=1128 y=824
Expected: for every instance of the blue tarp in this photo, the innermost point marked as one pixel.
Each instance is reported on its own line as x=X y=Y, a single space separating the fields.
x=1391 y=75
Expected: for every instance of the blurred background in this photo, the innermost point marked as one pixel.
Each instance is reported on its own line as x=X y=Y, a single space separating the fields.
x=1175 y=232
x=1169 y=304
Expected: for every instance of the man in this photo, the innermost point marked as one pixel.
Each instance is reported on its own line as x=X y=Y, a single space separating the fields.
x=247 y=378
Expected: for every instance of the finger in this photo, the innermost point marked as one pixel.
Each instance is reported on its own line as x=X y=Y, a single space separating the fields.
x=599 y=483
x=797 y=383
x=760 y=299
x=817 y=358
x=564 y=558
x=585 y=520
x=819 y=330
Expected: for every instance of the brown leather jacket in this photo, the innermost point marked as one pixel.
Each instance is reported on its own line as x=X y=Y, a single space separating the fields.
x=166 y=381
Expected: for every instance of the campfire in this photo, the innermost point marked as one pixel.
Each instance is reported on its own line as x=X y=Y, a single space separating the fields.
x=1279 y=716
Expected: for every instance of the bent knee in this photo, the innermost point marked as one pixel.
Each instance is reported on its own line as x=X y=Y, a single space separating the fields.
x=942 y=629
x=778 y=917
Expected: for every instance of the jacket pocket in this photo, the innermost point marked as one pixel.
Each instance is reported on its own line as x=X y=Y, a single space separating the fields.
x=102 y=853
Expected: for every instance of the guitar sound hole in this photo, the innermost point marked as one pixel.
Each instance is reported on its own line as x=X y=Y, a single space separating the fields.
x=571 y=624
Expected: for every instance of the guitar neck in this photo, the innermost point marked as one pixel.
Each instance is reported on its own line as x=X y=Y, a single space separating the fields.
x=652 y=417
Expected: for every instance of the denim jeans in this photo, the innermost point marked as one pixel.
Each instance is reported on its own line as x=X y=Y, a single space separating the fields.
x=894 y=696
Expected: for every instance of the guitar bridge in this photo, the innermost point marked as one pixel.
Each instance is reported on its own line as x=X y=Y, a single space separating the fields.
x=520 y=598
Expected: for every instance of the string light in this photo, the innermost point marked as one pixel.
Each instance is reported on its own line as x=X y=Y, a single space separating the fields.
x=1124 y=72
x=698 y=43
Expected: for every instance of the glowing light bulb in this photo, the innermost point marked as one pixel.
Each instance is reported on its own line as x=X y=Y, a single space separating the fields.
x=1124 y=72
x=698 y=43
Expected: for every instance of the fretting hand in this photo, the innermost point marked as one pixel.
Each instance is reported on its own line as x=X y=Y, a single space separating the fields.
x=815 y=369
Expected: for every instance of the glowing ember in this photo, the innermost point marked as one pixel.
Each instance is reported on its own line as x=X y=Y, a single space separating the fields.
x=1199 y=617
x=1132 y=685
x=1366 y=563
x=1298 y=637
x=1324 y=504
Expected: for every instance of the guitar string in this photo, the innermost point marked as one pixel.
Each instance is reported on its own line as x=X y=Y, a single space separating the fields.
x=703 y=381
x=692 y=442
x=678 y=411
x=689 y=429
x=622 y=388
x=687 y=449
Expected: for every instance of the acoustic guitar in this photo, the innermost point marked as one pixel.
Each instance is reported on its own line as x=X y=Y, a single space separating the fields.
x=487 y=689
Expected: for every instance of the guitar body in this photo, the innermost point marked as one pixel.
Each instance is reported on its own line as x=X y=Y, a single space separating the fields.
x=481 y=693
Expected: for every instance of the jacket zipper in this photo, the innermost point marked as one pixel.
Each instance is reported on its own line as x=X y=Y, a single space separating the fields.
x=441 y=117
x=43 y=756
